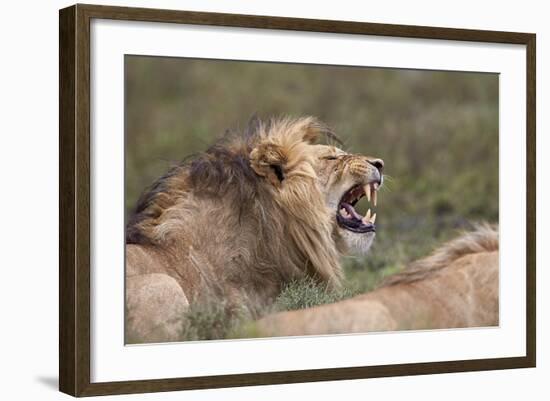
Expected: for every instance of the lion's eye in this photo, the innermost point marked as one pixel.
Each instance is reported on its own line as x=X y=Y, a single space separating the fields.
x=330 y=158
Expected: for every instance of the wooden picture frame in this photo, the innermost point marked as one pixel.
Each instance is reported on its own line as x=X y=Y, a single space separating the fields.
x=74 y=203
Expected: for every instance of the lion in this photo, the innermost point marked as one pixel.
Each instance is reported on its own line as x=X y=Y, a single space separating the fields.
x=455 y=287
x=238 y=222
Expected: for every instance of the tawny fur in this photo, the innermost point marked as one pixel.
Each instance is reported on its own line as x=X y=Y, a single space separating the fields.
x=456 y=286
x=252 y=213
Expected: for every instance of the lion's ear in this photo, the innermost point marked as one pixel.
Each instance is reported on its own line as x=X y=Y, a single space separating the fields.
x=268 y=160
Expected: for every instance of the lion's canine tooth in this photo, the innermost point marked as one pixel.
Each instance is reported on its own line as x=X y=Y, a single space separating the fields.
x=366 y=219
x=373 y=218
x=374 y=196
x=367 y=191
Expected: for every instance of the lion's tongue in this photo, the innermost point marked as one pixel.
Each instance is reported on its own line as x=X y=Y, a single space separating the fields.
x=352 y=211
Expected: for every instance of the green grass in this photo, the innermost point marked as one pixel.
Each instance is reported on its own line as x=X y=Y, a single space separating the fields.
x=305 y=293
x=210 y=321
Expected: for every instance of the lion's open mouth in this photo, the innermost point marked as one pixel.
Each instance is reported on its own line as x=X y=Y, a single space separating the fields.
x=348 y=218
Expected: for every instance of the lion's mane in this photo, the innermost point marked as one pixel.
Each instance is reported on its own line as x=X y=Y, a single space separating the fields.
x=221 y=223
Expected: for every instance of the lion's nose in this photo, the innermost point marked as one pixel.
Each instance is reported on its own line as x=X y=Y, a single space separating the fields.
x=378 y=163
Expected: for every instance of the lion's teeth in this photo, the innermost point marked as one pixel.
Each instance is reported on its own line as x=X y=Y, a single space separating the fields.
x=367 y=191
x=374 y=197
x=343 y=212
x=367 y=217
x=373 y=218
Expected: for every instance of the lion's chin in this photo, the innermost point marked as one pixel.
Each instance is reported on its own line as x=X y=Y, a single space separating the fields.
x=356 y=244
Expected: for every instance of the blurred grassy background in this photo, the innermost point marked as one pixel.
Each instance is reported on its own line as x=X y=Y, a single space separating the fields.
x=437 y=132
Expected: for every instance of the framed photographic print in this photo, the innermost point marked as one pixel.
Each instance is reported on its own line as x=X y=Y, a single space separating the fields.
x=251 y=200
